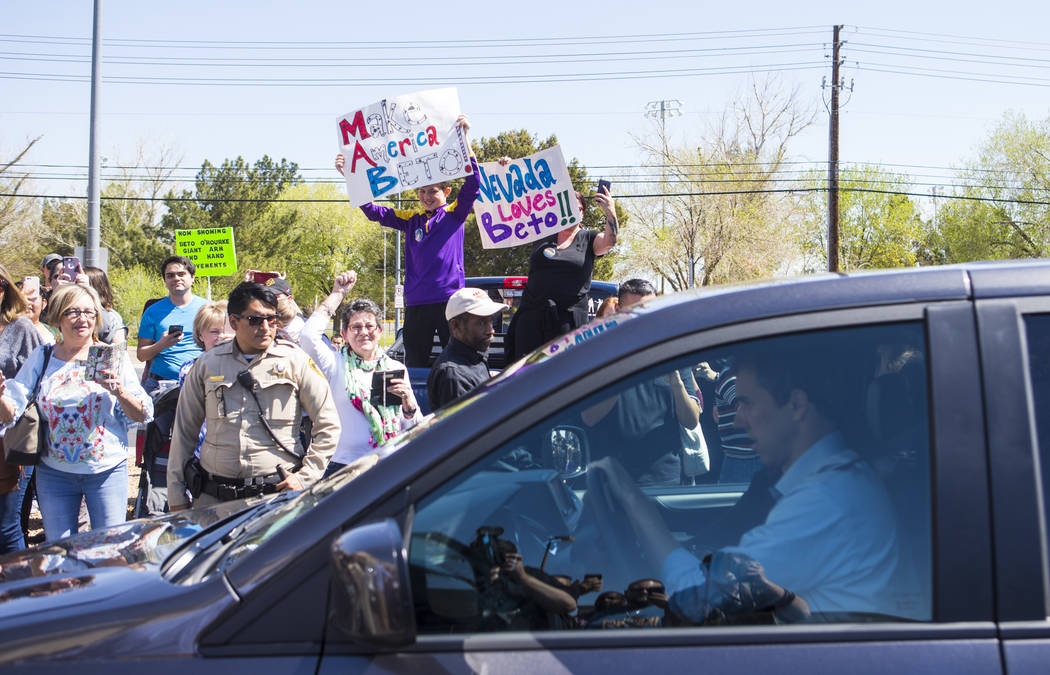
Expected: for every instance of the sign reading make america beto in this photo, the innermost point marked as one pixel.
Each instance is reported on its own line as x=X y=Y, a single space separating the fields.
x=211 y=250
x=402 y=143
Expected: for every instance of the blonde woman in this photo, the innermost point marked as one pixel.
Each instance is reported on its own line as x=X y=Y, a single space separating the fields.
x=18 y=338
x=88 y=420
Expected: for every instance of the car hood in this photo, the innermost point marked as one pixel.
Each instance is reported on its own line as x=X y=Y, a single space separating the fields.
x=100 y=563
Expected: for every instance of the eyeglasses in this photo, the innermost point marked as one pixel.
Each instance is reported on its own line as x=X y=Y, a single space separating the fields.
x=363 y=328
x=77 y=313
x=256 y=320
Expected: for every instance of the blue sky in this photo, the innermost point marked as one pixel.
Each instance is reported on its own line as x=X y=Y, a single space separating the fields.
x=890 y=118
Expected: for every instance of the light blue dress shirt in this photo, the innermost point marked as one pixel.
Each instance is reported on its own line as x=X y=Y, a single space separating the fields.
x=831 y=538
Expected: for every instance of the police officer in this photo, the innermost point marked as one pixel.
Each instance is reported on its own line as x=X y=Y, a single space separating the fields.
x=252 y=392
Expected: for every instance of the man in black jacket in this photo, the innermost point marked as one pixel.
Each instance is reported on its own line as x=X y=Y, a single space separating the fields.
x=462 y=366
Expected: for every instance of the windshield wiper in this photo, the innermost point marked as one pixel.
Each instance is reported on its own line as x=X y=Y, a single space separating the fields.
x=182 y=559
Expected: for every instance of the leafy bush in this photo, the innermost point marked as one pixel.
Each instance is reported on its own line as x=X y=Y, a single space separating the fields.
x=133 y=286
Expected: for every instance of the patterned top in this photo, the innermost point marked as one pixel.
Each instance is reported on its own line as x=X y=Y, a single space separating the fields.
x=89 y=430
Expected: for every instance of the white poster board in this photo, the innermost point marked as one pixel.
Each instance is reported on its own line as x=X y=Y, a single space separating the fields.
x=529 y=199
x=402 y=143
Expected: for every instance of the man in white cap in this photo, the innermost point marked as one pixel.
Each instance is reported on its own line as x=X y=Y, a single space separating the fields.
x=462 y=366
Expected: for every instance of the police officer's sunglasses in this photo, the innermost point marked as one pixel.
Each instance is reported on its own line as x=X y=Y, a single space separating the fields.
x=256 y=320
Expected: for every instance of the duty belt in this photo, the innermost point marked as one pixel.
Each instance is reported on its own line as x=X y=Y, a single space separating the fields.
x=225 y=489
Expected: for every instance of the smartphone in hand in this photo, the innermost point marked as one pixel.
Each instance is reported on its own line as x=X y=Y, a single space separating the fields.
x=380 y=381
x=604 y=185
x=103 y=362
x=30 y=284
x=71 y=266
x=174 y=329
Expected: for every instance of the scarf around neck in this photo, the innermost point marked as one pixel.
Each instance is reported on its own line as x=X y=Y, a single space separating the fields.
x=382 y=420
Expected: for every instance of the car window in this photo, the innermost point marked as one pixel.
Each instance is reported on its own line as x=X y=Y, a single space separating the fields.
x=609 y=514
x=1037 y=330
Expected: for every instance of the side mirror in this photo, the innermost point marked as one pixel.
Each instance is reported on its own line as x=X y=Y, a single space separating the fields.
x=567 y=450
x=372 y=602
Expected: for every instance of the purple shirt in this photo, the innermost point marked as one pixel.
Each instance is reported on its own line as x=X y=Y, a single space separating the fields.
x=434 y=243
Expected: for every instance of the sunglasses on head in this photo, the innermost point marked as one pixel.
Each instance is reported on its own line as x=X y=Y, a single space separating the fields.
x=256 y=320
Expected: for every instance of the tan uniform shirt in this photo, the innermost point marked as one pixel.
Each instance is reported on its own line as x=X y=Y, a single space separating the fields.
x=236 y=444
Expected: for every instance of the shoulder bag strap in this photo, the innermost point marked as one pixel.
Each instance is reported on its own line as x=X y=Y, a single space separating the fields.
x=43 y=369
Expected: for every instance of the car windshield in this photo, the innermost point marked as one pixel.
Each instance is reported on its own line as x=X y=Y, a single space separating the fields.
x=219 y=548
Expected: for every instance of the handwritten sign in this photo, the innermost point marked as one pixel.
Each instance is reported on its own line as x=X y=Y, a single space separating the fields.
x=402 y=143
x=211 y=250
x=526 y=200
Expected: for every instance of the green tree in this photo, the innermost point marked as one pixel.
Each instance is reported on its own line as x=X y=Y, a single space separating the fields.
x=236 y=195
x=21 y=247
x=129 y=214
x=328 y=238
x=722 y=221
x=876 y=229
x=1006 y=212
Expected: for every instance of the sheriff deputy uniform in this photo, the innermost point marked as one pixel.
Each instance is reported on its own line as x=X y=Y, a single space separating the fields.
x=238 y=455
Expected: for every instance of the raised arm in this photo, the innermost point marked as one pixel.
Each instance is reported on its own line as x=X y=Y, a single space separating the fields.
x=606 y=239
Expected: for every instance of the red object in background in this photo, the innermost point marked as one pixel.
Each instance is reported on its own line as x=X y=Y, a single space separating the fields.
x=140 y=441
x=263 y=277
x=514 y=282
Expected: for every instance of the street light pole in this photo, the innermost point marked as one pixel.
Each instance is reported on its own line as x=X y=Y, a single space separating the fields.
x=92 y=255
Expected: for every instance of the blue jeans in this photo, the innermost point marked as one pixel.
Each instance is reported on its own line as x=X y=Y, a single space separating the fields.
x=59 y=493
x=11 y=536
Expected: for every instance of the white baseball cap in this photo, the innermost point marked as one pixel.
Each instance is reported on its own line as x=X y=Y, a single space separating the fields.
x=472 y=301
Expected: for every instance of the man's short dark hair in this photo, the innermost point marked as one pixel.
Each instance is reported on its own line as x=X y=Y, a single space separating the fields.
x=804 y=363
x=360 y=305
x=180 y=259
x=635 y=287
x=245 y=292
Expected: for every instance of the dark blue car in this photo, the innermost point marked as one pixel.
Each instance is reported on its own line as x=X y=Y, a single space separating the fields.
x=868 y=498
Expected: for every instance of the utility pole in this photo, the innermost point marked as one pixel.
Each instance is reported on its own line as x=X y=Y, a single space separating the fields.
x=833 y=157
x=660 y=111
x=92 y=255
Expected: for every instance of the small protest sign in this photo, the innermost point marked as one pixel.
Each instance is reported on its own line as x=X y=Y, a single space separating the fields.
x=211 y=250
x=402 y=143
x=529 y=199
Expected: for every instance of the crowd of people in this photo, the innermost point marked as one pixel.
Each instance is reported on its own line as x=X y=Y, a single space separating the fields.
x=62 y=350
x=269 y=399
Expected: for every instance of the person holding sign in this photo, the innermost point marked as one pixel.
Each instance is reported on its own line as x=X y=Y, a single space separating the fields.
x=560 y=268
x=369 y=412
x=433 y=255
x=88 y=397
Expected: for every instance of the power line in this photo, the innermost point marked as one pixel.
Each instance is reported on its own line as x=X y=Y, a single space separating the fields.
x=394 y=81
x=413 y=44
x=925 y=195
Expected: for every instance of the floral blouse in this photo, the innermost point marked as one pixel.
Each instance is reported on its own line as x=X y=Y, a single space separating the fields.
x=88 y=428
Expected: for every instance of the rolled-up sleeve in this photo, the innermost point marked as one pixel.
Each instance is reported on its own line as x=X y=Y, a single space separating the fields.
x=315 y=396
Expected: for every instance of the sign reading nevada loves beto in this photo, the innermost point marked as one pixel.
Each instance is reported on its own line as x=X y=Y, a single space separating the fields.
x=402 y=143
x=529 y=199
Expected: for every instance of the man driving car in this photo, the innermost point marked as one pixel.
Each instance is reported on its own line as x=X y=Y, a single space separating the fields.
x=830 y=539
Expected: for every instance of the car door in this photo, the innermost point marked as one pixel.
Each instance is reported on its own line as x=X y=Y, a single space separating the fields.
x=508 y=538
x=1015 y=349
